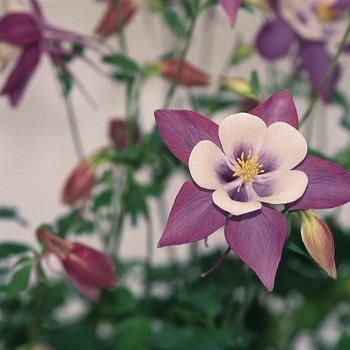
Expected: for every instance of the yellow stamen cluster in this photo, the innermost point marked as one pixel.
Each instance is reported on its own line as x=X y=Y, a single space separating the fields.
x=324 y=13
x=247 y=170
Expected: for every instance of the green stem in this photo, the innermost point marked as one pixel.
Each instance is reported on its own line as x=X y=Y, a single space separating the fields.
x=36 y=316
x=182 y=57
x=148 y=263
x=327 y=76
x=73 y=125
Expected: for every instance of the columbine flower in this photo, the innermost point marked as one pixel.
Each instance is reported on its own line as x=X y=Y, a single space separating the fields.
x=241 y=169
x=314 y=24
x=189 y=76
x=88 y=269
x=120 y=131
x=117 y=14
x=81 y=181
x=30 y=32
x=318 y=241
x=79 y=184
x=231 y=9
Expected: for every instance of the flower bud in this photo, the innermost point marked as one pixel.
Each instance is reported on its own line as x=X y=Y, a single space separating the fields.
x=117 y=14
x=79 y=184
x=318 y=241
x=240 y=86
x=123 y=133
x=189 y=76
x=88 y=269
x=231 y=9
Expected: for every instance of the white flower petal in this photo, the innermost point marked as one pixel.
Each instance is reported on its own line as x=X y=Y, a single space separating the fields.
x=223 y=201
x=206 y=163
x=281 y=187
x=285 y=147
x=241 y=132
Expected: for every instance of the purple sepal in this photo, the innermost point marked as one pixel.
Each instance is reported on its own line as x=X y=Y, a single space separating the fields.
x=258 y=239
x=328 y=186
x=21 y=74
x=193 y=216
x=340 y=5
x=19 y=29
x=316 y=61
x=279 y=107
x=275 y=39
x=181 y=130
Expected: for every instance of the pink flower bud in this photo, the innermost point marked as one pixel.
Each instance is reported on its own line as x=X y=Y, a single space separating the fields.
x=88 y=269
x=115 y=16
x=79 y=184
x=123 y=133
x=190 y=75
x=318 y=241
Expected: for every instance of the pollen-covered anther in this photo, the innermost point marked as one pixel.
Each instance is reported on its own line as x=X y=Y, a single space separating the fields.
x=247 y=169
x=324 y=13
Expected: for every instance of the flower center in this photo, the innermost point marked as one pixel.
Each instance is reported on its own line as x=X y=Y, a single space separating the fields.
x=324 y=13
x=247 y=169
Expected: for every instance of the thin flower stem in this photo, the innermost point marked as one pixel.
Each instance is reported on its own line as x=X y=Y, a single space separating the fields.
x=182 y=57
x=36 y=315
x=148 y=262
x=73 y=125
x=326 y=78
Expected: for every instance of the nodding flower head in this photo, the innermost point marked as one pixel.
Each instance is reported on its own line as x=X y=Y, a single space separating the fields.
x=88 y=269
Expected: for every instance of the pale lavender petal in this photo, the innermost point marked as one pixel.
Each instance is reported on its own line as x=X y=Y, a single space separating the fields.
x=231 y=8
x=242 y=132
x=285 y=147
x=209 y=167
x=20 y=75
x=222 y=199
x=193 y=216
x=280 y=187
x=19 y=29
x=181 y=130
x=258 y=239
x=316 y=61
x=275 y=39
x=328 y=185
x=279 y=107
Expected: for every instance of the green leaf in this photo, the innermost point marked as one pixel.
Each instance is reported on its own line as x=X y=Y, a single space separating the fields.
x=66 y=81
x=12 y=248
x=122 y=62
x=103 y=199
x=134 y=334
x=118 y=303
x=85 y=226
x=7 y=213
x=77 y=49
x=66 y=222
x=254 y=82
x=174 y=22
x=19 y=280
x=344 y=342
x=134 y=200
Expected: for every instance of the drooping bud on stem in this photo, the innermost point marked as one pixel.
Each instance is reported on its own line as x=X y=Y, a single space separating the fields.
x=88 y=269
x=318 y=241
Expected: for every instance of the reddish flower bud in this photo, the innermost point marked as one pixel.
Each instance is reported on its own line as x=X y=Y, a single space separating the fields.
x=190 y=75
x=115 y=16
x=88 y=269
x=123 y=133
x=79 y=184
x=318 y=241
